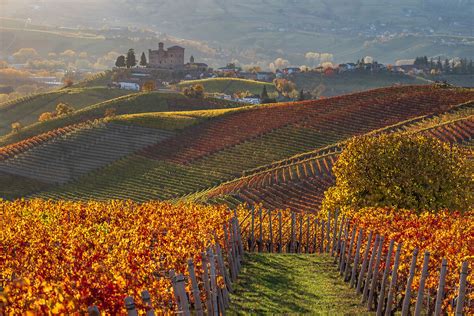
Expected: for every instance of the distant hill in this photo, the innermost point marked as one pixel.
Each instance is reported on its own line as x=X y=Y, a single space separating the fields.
x=230 y=85
x=210 y=148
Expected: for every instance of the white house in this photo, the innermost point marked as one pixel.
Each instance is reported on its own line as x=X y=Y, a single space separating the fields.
x=129 y=86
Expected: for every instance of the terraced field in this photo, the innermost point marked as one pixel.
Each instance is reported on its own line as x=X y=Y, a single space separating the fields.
x=127 y=104
x=234 y=144
x=299 y=183
x=26 y=110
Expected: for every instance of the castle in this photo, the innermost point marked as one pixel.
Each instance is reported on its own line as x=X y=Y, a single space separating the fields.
x=172 y=58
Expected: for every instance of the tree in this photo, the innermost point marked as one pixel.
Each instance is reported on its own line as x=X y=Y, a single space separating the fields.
x=131 y=60
x=16 y=127
x=25 y=54
x=143 y=61
x=120 y=62
x=149 y=86
x=401 y=171
x=264 y=94
x=110 y=112
x=68 y=83
x=196 y=91
x=63 y=109
x=285 y=87
x=301 y=97
x=46 y=116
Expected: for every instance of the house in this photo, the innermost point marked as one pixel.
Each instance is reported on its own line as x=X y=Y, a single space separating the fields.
x=346 y=67
x=291 y=70
x=265 y=76
x=129 y=86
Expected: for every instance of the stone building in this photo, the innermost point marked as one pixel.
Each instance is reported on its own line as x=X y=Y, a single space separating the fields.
x=172 y=58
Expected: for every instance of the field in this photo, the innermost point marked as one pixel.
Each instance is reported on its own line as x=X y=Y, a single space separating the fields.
x=125 y=104
x=229 y=85
x=26 y=110
x=169 y=147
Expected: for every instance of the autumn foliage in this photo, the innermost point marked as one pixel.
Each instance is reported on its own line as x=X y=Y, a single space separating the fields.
x=61 y=257
x=401 y=171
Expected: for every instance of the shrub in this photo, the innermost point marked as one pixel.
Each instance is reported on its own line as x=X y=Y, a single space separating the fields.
x=401 y=171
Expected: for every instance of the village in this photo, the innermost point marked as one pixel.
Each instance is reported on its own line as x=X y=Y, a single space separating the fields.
x=166 y=67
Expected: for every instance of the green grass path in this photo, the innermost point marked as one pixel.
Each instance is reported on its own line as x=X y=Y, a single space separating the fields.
x=289 y=284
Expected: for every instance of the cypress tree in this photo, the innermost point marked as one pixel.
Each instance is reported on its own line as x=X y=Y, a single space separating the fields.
x=131 y=59
x=264 y=95
x=143 y=61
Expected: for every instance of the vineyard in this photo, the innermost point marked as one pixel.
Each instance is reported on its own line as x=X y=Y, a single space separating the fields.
x=216 y=149
x=229 y=85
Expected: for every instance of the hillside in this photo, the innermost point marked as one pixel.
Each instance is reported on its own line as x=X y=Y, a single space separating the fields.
x=299 y=183
x=218 y=148
x=229 y=85
x=126 y=104
x=26 y=110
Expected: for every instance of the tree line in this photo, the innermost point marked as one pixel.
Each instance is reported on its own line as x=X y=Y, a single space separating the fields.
x=130 y=60
x=461 y=66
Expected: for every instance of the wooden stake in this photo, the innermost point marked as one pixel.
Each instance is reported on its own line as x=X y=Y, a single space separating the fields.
x=260 y=237
x=130 y=306
x=315 y=241
x=328 y=230
x=183 y=298
x=349 y=255
x=195 y=287
x=308 y=228
x=441 y=285
x=222 y=269
x=462 y=289
x=343 y=249
x=393 y=281
x=279 y=233
x=206 y=281
x=356 y=259
x=270 y=228
x=293 y=239
x=334 y=233
x=146 y=299
x=338 y=244
x=213 y=276
x=388 y=261
x=407 y=298
x=364 y=265
x=252 y=234
x=300 y=238
x=93 y=311
x=375 y=276
x=365 y=292
x=421 y=288
x=321 y=245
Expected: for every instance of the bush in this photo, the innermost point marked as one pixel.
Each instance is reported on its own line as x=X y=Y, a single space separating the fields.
x=196 y=91
x=401 y=171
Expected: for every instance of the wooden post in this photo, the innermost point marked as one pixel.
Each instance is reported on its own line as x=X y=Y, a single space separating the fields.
x=238 y=233
x=292 y=239
x=210 y=256
x=130 y=306
x=222 y=269
x=93 y=311
x=300 y=238
x=462 y=289
x=308 y=231
x=206 y=281
x=338 y=243
x=270 y=229
x=238 y=245
x=365 y=292
x=260 y=237
x=183 y=298
x=146 y=299
x=345 y=245
x=407 y=298
x=195 y=287
x=279 y=233
x=363 y=268
x=334 y=233
x=173 y=285
x=321 y=245
x=315 y=236
x=421 y=288
x=252 y=233
x=393 y=281
x=388 y=261
x=375 y=276
x=328 y=230
x=229 y=247
x=356 y=258
x=220 y=302
x=441 y=285
x=349 y=255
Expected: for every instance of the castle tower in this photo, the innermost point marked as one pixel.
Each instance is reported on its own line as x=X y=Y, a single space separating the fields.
x=161 y=46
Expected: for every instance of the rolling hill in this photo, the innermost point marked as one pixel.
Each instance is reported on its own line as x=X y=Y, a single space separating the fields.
x=229 y=85
x=26 y=110
x=209 y=149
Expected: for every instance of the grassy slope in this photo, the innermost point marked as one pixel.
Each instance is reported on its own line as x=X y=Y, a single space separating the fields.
x=27 y=111
x=229 y=85
x=128 y=104
x=280 y=284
